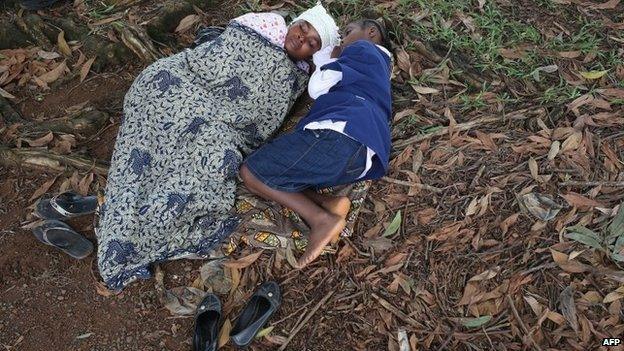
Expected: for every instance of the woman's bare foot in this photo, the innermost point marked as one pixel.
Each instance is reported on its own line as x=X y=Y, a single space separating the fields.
x=320 y=235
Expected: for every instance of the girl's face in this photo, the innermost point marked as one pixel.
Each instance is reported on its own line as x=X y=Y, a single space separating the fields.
x=355 y=31
x=302 y=41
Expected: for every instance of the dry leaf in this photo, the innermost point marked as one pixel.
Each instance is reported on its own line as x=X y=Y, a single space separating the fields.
x=84 y=70
x=81 y=60
x=424 y=90
x=62 y=44
x=65 y=185
x=63 y=146
x=42 y=189
x=535 y=306
x=44 y=140
x=395 y=259
x=40 y=83
x=486 y=275
x=54 y=74
x=562 y=261
x=555 y=317
x=403 y=60
x=48 y=55
x=609 y=5
x=224 y=336
x=592 y=297
x=413 y=342
x=512 y=53
x=107 y=20
x=243 y=262
x=568 y=308
x=572 y=142
x=6 y=94
x=235 y=274
x=186 y=23
x=509 y=221
x=198 y=283
x=344 y=253
x=102 y=290
x=472 y=207
x=570 y=54
x=403 y=113
x=580 y=201
x=401 y=158
x=85 y=182
x=534 y=169
x=554 y=150
x=613 y=296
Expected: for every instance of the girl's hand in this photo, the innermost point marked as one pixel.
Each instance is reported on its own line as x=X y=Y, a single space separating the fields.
x=336 y=52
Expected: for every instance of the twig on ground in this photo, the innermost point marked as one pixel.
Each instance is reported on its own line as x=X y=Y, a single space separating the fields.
x=360 y=252
x=412 y=184
x=292 y=314
x=306 y=319
x=516 y=115
x=447 y=341
x=402 y=316
x=44 y=159
x=540 y=267
x=583 y=184
x=522 y=326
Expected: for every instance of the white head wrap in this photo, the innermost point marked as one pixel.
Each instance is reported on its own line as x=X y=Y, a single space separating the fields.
x=323 y=23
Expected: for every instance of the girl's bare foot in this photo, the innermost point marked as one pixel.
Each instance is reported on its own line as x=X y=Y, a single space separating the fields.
x=320 y=235
x=338 y=205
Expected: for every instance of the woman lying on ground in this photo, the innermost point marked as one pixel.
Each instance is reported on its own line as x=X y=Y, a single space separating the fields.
x=188 y=121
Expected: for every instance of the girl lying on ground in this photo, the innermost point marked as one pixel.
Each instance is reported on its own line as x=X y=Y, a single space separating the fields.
x=344 y=138
x=188 y=121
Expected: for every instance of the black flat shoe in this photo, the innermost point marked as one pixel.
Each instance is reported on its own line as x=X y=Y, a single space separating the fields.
x=60 y=235
x=263 y=303
x=66 y=205
x=207 y=320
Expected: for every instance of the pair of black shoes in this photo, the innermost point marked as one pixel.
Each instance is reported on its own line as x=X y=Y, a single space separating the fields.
x=53 y=231
x=262 y=305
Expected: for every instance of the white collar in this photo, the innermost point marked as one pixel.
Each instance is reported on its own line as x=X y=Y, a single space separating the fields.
x=384 y=50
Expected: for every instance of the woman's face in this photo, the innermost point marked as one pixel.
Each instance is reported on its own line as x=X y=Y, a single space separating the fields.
x=302 y=41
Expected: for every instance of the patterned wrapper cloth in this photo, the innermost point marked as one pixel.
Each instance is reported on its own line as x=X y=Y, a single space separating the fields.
x=189 y=120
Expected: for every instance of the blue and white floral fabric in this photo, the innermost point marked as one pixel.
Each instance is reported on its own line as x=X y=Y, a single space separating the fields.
x=189 y=120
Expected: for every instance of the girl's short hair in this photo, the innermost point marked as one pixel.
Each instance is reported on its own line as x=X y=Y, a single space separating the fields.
x=385 y=40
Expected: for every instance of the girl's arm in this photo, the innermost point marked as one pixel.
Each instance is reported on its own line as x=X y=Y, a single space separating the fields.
x=322 y=80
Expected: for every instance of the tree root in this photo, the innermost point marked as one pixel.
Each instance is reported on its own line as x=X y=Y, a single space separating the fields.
x=8 y=114
x=84 y=124
x=136 y=39
x=42 y=159
x=32 y=25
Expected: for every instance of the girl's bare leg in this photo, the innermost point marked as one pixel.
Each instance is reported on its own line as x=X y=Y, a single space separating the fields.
x=324 y=225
